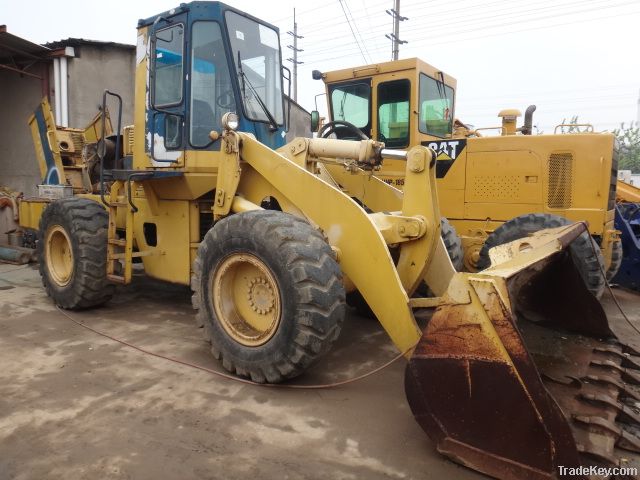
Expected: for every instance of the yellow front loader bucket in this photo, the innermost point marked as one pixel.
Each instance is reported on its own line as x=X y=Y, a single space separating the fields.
x=519 y=374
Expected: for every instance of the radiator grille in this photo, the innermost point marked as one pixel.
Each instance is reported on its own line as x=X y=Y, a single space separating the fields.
x=560 y=180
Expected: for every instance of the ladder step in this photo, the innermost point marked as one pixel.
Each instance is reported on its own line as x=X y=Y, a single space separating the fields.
x=115 y=278
x=119 y=256
x=117 y=241
x=118 y=204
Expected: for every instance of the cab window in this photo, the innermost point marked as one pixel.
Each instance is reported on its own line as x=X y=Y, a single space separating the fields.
x=168 y=58
x=350 y=103
x=256 y=54
x=393 y=113
x=436 y=107
x=211 y=92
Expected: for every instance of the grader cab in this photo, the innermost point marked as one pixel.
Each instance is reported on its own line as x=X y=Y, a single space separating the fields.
x=492 y=189
x=517 y=373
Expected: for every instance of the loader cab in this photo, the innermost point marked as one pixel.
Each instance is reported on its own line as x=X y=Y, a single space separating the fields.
x=197 y=62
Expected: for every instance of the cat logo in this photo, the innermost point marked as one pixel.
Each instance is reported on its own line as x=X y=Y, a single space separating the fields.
x=447 y=151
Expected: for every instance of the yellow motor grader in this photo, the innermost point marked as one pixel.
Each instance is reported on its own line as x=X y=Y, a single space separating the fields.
x=517 y=373
x=492 y=189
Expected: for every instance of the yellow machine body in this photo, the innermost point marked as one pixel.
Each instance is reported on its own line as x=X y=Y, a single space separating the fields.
x=470 y=364
x=483 y=181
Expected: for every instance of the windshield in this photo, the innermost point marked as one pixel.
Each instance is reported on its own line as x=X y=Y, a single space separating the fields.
x=436 y=107
x=350 y=103
x=259 y=70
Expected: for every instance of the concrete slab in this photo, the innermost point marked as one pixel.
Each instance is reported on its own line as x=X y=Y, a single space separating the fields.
x=77 y=405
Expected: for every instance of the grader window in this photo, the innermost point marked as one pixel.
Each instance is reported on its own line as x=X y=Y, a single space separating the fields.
x=168 y=58
x=351 y=103
x=211 y=92
x=393 y=113
x=436 y=107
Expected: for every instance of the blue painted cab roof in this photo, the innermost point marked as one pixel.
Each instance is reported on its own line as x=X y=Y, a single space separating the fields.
x=213 y=10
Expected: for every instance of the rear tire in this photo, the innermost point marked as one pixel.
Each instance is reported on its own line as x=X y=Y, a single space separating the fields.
x=582 y=249
x=269 y=293
x=72 y=253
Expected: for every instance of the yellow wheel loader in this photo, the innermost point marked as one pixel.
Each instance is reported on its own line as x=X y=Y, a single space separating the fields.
x=518 y=372
x=492 y=189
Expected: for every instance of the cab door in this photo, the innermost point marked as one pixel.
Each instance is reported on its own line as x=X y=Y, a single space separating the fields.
x=167 y=92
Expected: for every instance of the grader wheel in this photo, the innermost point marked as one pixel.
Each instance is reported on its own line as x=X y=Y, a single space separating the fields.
x=72 y=250
x=269 y=294
x=616 y=259
x=584 y=250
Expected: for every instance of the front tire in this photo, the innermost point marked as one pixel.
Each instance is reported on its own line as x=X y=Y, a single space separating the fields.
x=72 y=251
x=588 y=263
x=269 y=294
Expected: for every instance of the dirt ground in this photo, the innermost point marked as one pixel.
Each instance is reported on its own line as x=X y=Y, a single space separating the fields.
x=76 y=405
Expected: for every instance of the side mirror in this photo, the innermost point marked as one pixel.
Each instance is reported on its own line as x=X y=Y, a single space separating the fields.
x=315 y=120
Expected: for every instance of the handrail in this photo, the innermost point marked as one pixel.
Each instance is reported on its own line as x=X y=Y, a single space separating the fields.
x=101 y=151
x=588 y=126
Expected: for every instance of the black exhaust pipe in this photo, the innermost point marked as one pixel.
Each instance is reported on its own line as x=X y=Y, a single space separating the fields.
x=527 y=128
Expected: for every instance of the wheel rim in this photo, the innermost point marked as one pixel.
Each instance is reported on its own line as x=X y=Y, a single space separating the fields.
x=59 y=255
x=246 y=299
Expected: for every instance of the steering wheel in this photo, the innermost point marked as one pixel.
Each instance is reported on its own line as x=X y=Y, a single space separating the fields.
x=338 y=125
x=226 y=100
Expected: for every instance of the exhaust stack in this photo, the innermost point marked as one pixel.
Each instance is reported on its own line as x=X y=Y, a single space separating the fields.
x=527 y=128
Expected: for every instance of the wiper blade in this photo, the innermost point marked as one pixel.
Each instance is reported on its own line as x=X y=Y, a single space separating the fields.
x=273 y=125
x=241 y=75
x=441 y=85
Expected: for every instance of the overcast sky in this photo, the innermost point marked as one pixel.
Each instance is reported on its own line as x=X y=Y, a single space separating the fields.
x=569 y=57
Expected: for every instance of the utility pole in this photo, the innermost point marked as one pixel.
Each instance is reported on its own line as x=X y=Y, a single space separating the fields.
x=295 y=60
x=395 y=36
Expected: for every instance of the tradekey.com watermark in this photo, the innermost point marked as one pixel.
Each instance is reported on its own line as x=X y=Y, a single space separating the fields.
x=594 y=470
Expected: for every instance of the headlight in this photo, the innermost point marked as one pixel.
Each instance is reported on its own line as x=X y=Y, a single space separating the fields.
x=230 y=121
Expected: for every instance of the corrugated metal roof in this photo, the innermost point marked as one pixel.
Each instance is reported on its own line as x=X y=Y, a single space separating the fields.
x=78 y=42
x=14 y=49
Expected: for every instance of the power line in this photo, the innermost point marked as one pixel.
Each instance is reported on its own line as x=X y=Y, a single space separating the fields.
x=456 y=40
x=472 y=17
x=355 y=24
x=352 y=32
x=483 y=24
